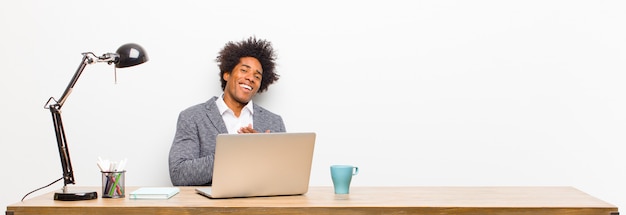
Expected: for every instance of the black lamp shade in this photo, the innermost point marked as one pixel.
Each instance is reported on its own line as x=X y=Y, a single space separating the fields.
x=131 y=54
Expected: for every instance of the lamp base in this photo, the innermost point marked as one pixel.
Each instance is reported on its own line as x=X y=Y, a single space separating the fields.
x=75 y=196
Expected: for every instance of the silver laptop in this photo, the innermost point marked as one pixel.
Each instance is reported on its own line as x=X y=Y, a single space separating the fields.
x=261 y=164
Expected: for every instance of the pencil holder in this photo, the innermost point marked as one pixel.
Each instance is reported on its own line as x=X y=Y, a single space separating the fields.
x=113 y=184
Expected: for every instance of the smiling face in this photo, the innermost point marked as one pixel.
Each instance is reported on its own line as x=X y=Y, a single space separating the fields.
x=242 y=83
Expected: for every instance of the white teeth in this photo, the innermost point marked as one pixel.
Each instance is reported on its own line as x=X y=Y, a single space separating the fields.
x=246 y=86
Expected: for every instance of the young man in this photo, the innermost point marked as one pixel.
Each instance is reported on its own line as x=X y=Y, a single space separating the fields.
x=246 y=68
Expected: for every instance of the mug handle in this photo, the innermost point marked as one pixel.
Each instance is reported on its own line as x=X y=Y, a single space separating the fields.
x=355 y=171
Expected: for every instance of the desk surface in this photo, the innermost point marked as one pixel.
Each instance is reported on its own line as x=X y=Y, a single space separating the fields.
x=322 y=200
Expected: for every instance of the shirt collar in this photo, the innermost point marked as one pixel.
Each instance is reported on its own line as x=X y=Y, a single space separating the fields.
x=222 y=107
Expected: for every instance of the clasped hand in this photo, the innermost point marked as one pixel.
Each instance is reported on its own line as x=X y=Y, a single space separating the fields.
x=249 y=129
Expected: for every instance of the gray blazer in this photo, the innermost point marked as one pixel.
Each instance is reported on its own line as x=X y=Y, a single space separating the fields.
x=192 y=152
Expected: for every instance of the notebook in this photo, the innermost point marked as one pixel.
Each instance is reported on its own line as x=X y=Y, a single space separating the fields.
x=154 y=193
x=261 y=164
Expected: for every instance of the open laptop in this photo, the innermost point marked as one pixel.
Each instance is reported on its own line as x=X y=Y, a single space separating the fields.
x=261 y=164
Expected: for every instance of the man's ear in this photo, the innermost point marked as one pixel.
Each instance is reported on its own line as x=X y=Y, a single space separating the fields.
x=225 y=76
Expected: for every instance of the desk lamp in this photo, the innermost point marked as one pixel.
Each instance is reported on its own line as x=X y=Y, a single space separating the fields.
x=126 y=56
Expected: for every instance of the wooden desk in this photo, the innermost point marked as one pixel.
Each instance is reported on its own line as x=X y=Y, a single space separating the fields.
x=362 y=200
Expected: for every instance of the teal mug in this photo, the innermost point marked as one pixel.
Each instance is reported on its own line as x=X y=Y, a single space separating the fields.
x=342 y=176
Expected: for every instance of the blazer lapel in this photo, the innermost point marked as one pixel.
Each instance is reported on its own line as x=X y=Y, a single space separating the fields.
x=214 y=115
x=259 y=119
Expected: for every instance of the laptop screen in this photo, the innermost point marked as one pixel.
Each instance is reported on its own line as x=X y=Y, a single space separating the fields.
x=262 y=164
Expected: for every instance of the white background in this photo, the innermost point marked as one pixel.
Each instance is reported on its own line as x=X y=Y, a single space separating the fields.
x=415 y=93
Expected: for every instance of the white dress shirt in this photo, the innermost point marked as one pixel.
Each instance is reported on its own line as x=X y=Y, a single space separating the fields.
x=234 y=123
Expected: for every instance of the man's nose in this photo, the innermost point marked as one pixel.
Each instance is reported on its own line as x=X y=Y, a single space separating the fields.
x=249 y=77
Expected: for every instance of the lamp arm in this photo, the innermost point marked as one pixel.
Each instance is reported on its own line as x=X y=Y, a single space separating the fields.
x=86 y=60
x=64 y=153
x=55 y=110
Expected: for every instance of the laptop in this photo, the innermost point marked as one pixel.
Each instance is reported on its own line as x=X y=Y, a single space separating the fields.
x=261 y=164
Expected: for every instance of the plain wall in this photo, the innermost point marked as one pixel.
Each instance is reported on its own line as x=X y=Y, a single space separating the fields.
x=415 y=93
